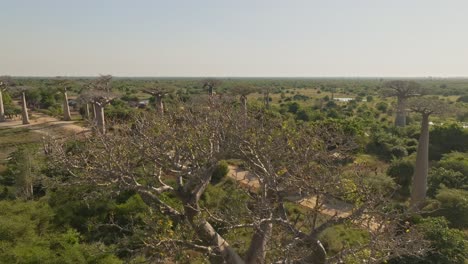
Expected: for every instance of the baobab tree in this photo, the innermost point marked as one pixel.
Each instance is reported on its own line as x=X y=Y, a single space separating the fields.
x=403 y=90
x=24 y=107
x=158 y=92
x=242 y=91
x=63 y=86
x=426 y=107
x=266 y=97
x=184 y=147
x=5 y=83
x=211 y=84
x=99 y=93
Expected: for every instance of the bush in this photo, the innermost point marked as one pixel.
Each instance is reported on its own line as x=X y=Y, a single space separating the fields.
x=402 y=172
x=456 y=161
x=220 y=172
x=399 y=152
x=447 y=138
x=382 y=107
x=447 y=246
x=441 y=177
x=454 y=206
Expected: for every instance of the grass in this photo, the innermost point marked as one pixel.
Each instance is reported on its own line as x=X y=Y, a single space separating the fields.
x=11 y=138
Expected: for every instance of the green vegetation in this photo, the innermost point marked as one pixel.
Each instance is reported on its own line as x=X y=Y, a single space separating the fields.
x=316 y=176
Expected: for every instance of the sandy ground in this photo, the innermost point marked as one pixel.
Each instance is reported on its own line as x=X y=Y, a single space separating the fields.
x=47 y=125
x=330 y=207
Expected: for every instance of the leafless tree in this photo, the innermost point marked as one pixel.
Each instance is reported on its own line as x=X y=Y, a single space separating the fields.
x=5 y=83
x=158 y=92
x=290 y=162
x=211 y=84
x=99 y=94
x=426 y=107
x=242 y=91
x=403 y=90
x=64 y=85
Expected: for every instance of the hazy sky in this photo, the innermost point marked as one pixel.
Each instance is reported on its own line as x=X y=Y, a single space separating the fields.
x=234 y=38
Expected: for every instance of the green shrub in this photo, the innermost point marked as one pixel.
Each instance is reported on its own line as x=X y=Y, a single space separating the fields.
x=402 y=171
x=221 y=170
x=454 y=206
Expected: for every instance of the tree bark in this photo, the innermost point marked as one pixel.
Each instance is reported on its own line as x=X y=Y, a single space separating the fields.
x=101 y=124
x=257 y=249
x=66 y=108
x=93 y=108
x=267 y=100
x=419 y=185
x=24 y=108
x=159 y=103
x=87 y=110
x=400 y=119
x=2 y=110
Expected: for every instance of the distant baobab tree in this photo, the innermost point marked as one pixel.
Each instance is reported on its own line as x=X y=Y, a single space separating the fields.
x=426 y=107
x=99 y=94
x=64 y=85
x=158 y=92
x=243 y=92
x=24 y=106
x=266 y=97
x=403 y=90
x=211 y=84
x=5 y=83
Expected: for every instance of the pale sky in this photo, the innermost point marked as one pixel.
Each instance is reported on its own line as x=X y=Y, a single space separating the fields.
x=251 y=38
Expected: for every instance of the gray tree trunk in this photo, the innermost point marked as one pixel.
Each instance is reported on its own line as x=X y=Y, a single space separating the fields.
x=24 y=108
x=159 y=104
x=400 y=119
x=66 y=108
x=267 y=100
x=419 y=185
x=257 y=249
x=101 y=124
x=2 y=110
x=93 y=108
x=87 y=111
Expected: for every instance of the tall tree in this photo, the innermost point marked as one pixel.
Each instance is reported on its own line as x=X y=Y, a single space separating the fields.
x=403 y=90
x=426 y=107
x=64 y=85
x=99 y=93
x=158 y=92
x=242 y=91
x=5 y=82
x=211 y=85
x=284 y=159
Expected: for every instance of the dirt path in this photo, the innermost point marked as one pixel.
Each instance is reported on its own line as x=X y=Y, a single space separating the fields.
x=331 y=207
x=46 y=125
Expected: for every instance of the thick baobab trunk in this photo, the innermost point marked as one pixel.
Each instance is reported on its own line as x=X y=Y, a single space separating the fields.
x=210 y=90
x=159 y=104
x=419 y=186
x=257 y=249
x=267 y=100
x=2 y=110
x=24 y=108
x=400 y=119
x=93 y=108
x=243 y=100
x=66 y=108
x=100 y=121
x=87 y=111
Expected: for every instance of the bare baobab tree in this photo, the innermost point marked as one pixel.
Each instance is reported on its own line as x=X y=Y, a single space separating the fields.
x=158 y=93
x=266 y=97
x=242 y=92
x=289 y=162
x=63 y=86
x=426 y=107
x=5 y=83
x=211 y=84
x=99 y=94
x=24 y=107
x=403 y=90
